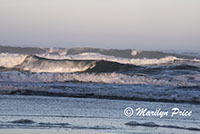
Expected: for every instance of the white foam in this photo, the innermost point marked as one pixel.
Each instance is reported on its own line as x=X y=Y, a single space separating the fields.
x=59 y=51
x=97 y=56
x=10 y=60
x=35 y=64
x=113 y=78
x=134 y=52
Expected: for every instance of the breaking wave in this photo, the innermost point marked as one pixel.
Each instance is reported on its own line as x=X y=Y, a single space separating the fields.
x=113 y=78
x=91 y=62
x=178 y=74
x=10 y=60
x=98 y=68
x=38 y=64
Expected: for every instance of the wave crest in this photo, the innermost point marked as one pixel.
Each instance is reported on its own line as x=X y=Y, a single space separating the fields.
x=91 y=62
x=38 y=64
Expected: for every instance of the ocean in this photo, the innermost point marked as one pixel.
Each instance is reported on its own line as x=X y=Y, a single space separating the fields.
x=85 y=90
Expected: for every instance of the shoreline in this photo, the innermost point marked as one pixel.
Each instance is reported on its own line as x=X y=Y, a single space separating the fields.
x=23 y=114
x=92 y=95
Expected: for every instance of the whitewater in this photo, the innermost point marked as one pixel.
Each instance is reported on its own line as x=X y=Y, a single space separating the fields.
x=152 y=75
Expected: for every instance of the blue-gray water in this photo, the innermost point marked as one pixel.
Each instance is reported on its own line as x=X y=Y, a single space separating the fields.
x=92 y=115
x=36 y=85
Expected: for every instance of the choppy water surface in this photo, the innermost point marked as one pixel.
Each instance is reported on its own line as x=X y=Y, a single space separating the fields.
x=103 y=82
x=121 y=74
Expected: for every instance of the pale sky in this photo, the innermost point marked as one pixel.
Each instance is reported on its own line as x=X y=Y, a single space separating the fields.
x=135 y=24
